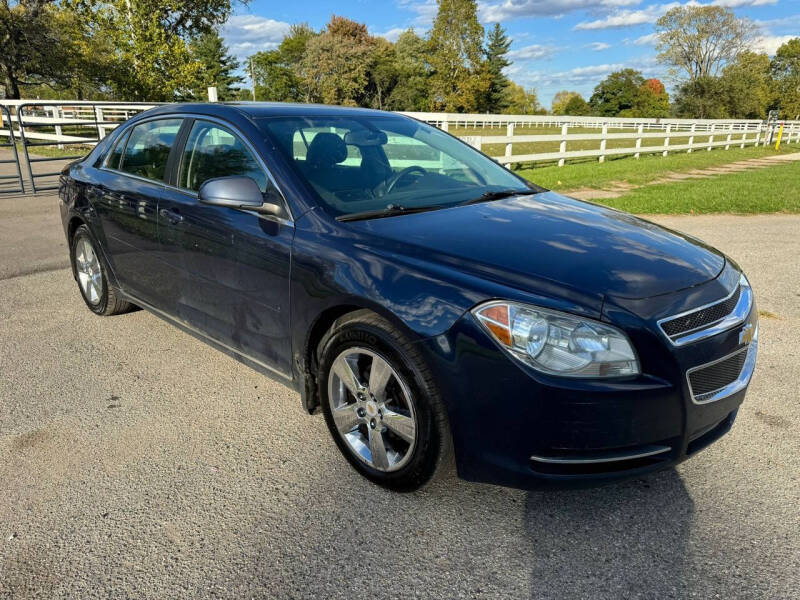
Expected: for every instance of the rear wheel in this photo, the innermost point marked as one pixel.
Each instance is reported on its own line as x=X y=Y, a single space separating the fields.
x=90 y=273
x=381 y=404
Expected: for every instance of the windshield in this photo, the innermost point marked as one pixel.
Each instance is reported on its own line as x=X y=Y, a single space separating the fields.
x=375 y=162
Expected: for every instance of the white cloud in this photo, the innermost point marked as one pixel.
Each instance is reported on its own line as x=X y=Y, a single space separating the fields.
x=425 y=11
x=248 y=34
x=651 y=39
x=650 y=14
x=740 y=3
x=588 y=75
x=391 y=34
x=770 y=43
x=627 y=18
x=492 y=12
x=532 y=52
x=599 y=46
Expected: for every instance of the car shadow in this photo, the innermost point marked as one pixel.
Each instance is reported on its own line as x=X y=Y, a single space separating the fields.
x=627 y=540
x=460 y=539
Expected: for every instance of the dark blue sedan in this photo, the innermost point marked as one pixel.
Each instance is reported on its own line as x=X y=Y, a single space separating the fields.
x=432 y=304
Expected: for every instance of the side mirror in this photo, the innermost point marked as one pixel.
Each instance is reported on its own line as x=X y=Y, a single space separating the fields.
x=236 y=192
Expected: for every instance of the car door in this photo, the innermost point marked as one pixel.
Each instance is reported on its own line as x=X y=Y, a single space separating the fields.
x=235 y=264
x=126 y=203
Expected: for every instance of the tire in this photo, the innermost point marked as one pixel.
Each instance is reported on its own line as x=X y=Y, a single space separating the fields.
x=90 y=273
x=376 y=416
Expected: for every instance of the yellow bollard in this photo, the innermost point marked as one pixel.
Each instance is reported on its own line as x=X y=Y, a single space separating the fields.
x=780 y=133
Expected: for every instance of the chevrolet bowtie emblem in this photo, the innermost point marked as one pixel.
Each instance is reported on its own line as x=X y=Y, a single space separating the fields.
x=746 y=334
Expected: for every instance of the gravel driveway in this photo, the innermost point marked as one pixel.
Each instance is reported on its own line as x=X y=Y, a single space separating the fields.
x=137 y=462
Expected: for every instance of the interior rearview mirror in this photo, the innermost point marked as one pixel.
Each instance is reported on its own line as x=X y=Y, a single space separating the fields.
x=365 y=137
x=236 y=192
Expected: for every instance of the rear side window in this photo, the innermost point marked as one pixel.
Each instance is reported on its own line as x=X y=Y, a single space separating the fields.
x=116 y=154
x=213 y=151
x=148 y=147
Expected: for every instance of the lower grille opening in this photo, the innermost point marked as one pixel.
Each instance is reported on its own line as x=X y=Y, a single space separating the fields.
x=707 y=380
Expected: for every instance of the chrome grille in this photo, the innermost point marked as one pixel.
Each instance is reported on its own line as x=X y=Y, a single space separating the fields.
x=711 y=319
x=701 y=318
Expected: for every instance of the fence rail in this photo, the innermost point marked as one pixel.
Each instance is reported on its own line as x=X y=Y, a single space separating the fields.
x=70 y=127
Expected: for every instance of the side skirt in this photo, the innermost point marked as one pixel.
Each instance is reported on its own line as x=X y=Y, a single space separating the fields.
x=255 y=364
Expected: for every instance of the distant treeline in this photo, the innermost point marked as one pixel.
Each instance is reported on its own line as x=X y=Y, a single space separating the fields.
x=152 y=50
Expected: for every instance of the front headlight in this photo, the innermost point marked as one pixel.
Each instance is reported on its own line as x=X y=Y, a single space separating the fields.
x=558 y=343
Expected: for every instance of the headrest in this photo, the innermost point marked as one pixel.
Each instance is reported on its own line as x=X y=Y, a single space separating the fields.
x=326 y=150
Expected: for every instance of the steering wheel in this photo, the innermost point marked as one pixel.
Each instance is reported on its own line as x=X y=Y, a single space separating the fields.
x=392 y=181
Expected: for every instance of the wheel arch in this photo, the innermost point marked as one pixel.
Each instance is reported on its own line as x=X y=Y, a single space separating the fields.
x=308 y=362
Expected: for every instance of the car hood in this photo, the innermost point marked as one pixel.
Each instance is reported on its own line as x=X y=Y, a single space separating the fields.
x=554 y=239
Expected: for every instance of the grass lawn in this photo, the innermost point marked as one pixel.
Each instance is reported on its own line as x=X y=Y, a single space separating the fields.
x=595 y=174
x=769 y=190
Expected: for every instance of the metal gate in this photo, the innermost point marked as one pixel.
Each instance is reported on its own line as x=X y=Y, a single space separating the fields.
x=54 y=133
x=10 y=169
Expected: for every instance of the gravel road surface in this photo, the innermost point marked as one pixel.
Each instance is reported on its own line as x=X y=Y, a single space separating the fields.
x=137 y=462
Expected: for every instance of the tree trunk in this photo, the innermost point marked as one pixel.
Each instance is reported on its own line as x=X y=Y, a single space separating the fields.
x=11 y=84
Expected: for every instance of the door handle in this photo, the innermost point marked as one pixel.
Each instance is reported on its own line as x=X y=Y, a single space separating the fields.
x=173 y=217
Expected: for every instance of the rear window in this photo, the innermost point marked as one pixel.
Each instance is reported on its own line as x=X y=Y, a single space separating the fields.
x=148 y=148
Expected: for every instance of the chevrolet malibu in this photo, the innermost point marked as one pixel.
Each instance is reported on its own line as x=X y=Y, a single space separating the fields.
x=434 y=306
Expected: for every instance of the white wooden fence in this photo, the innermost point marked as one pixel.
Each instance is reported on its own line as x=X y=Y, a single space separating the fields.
x=525 y=138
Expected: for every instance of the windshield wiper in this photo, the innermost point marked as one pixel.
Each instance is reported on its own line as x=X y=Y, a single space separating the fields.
x=392 y=210
x=499 y=195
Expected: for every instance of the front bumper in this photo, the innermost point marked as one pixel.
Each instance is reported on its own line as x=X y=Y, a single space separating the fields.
x=516 y=427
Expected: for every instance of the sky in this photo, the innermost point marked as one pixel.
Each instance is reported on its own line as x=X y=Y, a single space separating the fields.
x=556 y=44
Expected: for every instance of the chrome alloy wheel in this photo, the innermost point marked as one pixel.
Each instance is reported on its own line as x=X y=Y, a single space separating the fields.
x=372 y=409
x=87 y=266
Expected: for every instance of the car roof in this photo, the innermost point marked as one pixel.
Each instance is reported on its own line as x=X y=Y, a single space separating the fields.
x=256 y=110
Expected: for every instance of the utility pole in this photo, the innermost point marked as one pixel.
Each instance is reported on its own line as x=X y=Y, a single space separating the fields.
x=252 y=79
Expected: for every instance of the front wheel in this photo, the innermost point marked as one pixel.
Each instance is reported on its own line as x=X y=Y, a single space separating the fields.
x=381 y=404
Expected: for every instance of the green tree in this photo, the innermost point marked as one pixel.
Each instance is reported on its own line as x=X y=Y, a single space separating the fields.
x=411 y=91
x=785 y=70
x=617 y=93
x=701 y=98
x=747 y=86
x=560 y=101
x=383 y=74
x=218 y=68
x=35 y=49
x=522 y=101
x=652 y=101
x=576 y=106
x=149 y=42
x=278 y=73
x=458 y=78
x=496 y=99
x=698 y=40
x=335 y=67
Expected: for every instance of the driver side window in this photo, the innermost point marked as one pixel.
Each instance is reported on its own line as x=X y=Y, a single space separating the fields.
x=213 y=151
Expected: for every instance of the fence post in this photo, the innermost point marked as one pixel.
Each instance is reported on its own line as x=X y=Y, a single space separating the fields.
x=639 y=139
x=728 y=139
x=509 y=133
x=562 y=149
x=666 y=141
x=758 y=135
x=691 y=138
x=99 y=119
x=744 y=138
x=444 y=124
x=603 y=143
x=711 y=137
x=54 y=112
